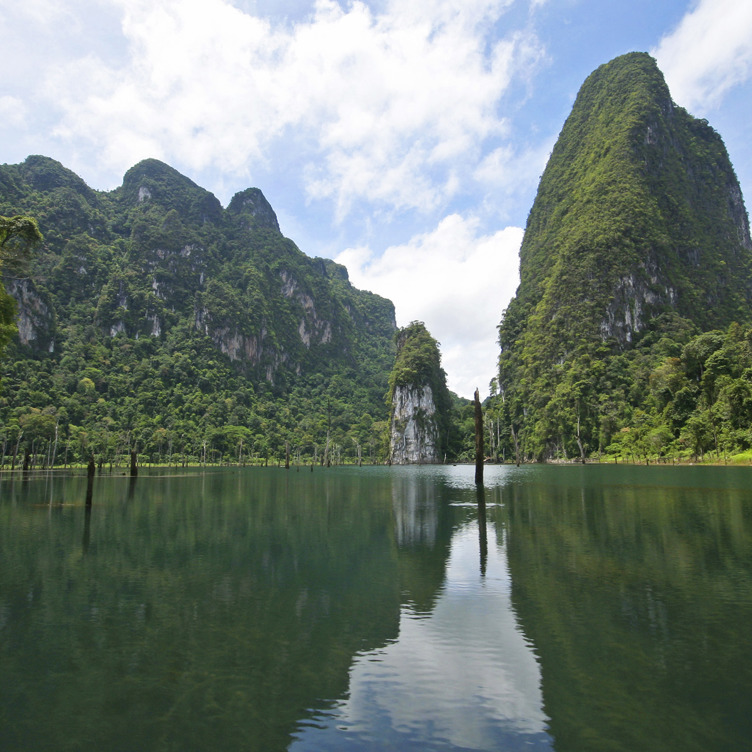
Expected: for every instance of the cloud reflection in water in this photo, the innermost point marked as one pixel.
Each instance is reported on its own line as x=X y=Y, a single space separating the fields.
x=460 y=677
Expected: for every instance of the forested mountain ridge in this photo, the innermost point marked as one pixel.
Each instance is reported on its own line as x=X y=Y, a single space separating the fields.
x=638 y=240
x=151 y=313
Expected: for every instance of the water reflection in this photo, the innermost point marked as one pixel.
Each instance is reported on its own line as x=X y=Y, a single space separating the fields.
x=461 y=677
x=480 y=493
x=635 y=587
x=567 y=608
x=197 y=612
x=416 y=509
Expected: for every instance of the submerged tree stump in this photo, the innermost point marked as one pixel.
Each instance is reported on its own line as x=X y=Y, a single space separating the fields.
x=90 y=470
x=478 y=440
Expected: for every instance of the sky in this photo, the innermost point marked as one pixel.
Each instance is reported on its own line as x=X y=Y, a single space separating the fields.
x=402 y=139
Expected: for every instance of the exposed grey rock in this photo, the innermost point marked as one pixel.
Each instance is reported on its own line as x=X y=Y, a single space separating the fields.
x=35 y=319
x=414 y=431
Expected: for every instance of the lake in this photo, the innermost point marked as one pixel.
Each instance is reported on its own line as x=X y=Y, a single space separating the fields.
x=590 y=608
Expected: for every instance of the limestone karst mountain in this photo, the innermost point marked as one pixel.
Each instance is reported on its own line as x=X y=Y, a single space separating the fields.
x=153 y=310
x=638 y=230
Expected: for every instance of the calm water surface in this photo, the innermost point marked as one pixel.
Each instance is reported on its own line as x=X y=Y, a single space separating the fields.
x=590 y=608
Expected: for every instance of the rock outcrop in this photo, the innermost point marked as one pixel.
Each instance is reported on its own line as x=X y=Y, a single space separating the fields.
x=419 y=400
x=414 y=430
x=638 y=231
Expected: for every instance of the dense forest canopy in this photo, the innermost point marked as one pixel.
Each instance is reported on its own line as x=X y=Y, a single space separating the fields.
x=153 y=319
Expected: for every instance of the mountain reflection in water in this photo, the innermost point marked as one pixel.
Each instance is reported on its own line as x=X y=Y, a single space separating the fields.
x=367 y=609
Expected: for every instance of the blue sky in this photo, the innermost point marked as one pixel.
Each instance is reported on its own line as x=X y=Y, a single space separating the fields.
x=403 y=139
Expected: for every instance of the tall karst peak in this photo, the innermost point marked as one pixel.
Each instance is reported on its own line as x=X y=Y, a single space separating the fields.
x=638 y=224
x=638 y=212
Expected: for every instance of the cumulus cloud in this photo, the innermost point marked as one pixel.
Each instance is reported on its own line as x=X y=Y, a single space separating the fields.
x=456 y=280
x=709 y=53
x=389 y=107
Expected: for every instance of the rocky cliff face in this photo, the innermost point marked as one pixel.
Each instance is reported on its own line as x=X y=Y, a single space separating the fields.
x=159 y=259
x=414 y=431
x=36 y=325
x=419 y=399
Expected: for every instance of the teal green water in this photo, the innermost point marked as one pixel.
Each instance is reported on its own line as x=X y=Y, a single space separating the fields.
x=598 y=608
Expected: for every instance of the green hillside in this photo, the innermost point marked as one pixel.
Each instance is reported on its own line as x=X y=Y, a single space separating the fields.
x=152 y=318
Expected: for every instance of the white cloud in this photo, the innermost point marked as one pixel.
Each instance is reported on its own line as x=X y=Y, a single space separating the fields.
x=709 y=53
x=458 y=282
x=508 y=171
x=390 y=107
x=484 y=693
x=12 y=111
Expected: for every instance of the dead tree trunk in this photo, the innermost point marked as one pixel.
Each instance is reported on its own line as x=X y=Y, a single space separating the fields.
x=478 y=440
x=54 y=451
x=15 y=452
x=90 y=470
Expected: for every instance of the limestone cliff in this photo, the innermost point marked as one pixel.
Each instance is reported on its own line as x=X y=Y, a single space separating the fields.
x=414 y=430
x=638 y=213
x=36 y=324
x=208 y=300
x=419 y=399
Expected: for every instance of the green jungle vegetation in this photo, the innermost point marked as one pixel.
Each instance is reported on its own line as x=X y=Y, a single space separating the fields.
x=153 y=320
x=629 y=333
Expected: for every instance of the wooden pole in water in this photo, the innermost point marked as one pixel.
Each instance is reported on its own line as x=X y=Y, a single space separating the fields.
x=478 y=440
x=90 y=470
